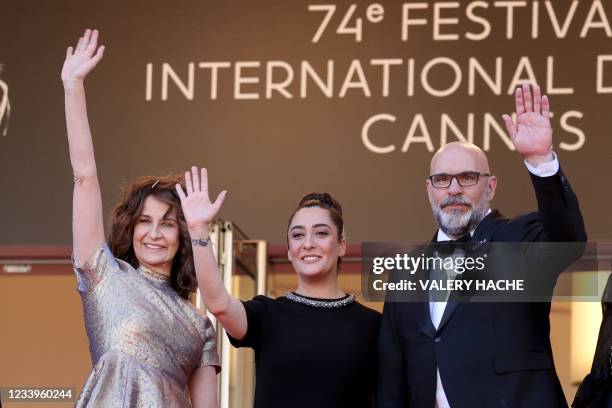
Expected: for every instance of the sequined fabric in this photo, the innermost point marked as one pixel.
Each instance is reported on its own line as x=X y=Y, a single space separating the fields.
x=144 y=339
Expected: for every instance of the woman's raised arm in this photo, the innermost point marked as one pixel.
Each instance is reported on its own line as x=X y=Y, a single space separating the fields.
x=87 y=222
x=199 y=213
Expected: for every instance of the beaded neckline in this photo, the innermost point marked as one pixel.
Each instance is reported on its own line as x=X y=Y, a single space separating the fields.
x=321 y=303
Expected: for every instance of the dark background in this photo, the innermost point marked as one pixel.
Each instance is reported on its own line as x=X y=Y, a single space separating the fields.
x=270 y=152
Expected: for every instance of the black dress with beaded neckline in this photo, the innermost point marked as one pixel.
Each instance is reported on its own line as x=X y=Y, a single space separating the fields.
x=312 y=356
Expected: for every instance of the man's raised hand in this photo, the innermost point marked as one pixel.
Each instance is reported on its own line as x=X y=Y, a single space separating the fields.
x=532 y=132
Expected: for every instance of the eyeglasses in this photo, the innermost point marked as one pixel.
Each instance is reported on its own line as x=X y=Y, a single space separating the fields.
x=465 y=179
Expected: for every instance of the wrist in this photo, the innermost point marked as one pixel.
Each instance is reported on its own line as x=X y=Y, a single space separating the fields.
x=537 y=159
x=73 y=85
x=199 y=231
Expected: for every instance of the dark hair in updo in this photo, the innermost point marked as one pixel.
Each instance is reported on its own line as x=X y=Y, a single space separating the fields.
x=326 y=201
x=124 y=218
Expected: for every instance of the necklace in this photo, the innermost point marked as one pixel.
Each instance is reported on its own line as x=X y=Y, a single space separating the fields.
x=324 y=303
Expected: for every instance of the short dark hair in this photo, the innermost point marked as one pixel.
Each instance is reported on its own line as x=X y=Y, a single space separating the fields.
x=125 y=215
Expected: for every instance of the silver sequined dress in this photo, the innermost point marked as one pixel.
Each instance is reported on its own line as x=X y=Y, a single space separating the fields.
x=144 y=339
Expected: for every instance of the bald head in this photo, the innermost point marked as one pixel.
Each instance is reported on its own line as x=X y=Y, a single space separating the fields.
x=457 y=157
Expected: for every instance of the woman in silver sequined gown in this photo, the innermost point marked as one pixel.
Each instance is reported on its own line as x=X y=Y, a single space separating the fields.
x=149 y=345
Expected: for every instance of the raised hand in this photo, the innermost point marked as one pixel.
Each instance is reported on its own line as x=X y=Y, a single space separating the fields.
x=83 y=58
x=198 y=210
x=532 y=133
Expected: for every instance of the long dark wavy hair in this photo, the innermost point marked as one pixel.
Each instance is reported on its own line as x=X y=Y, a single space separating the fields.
x=127 y=212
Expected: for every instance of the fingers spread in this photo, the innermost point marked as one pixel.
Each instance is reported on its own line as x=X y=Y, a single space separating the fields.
x=518 y=101
x=195 y=176
x=93 y=42
x=204 y=179
x=510 y=126
x=527 y=98
x=79 y=45
x=188 y=184
x=86 y=38
x=220 y=199
x=180 y=192
x=545 y=107
x=99 y=54
x=537 y=99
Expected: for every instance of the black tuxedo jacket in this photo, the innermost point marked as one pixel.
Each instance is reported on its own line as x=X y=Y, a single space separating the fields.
x=489 y=354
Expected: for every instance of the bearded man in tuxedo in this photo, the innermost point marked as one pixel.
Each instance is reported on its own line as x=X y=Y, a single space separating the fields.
x=477 y=354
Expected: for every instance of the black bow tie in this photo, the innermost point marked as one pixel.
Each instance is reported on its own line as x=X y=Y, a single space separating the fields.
x=448 y=247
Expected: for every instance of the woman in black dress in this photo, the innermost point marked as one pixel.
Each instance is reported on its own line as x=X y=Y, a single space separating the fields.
x=315 y=346
x=596 y=388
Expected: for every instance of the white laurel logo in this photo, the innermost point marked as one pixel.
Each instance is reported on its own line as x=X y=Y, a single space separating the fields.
x=5 y=106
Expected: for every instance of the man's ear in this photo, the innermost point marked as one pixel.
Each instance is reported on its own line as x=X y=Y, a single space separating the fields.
x=428 y=187
x=491 y=186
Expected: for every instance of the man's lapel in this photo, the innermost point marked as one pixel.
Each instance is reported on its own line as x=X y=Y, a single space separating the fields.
x=425 y=321
x=481 y=236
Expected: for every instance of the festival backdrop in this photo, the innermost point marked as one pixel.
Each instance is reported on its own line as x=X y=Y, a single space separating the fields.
x=281 y=98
